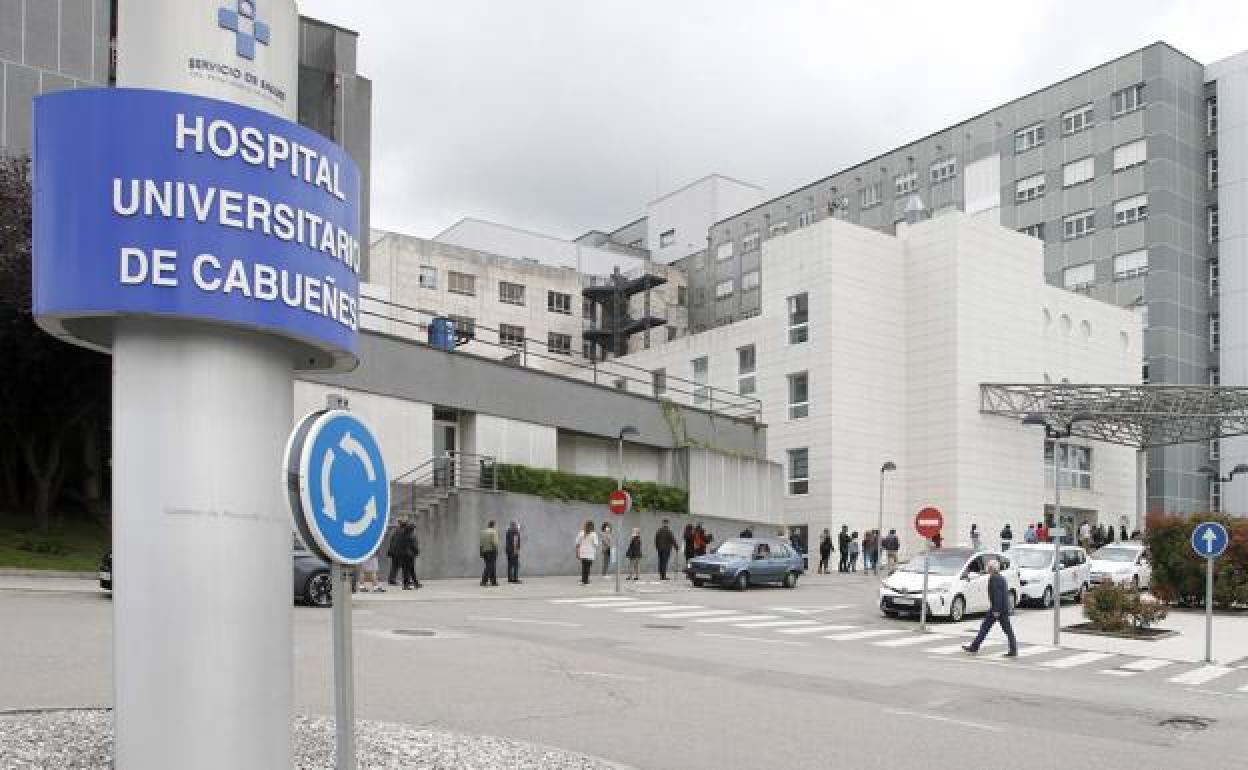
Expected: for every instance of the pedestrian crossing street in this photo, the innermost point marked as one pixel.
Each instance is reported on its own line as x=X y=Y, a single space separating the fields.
x=802 y=623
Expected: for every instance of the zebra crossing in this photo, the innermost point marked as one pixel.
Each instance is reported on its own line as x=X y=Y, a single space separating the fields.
x=811 y=623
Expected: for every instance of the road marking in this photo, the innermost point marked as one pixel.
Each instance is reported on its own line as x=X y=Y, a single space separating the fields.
x=1033 y=649
x=633 y=603
x=939 y=718
x=752 y=639
x=605 y=675
x=950 y=649
x=735 y=619
x=668 y=608
x=523 y=620
x=814 y=629
x=904 y=641
x=1081 y=659
x=1198 y=676
x=1118 y=672
x=1145 y=664
x=810 y=610
x=696 y=614
x=584 y=599
x=777 y=623
x=853 y=635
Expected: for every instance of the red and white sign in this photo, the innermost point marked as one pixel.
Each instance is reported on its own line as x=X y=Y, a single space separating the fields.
x=928 y=522
x=620 y=502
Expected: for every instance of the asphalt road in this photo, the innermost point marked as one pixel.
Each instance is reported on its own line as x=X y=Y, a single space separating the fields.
x=682 y=678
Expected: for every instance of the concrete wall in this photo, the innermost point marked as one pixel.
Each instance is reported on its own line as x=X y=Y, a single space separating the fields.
x=514 y=242
x=691 y=210
x=403 y=428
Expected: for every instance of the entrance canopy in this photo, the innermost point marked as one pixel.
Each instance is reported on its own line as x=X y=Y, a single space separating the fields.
x=1139 y=416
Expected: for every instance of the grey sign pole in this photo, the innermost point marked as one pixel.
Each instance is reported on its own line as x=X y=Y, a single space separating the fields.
x=1209 y=609
x=344 y=674
x=923 y=601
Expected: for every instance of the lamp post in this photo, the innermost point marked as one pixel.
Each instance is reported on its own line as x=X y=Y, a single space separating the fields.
x=627 y=430
x=1056 y=435
x=888 y=467
x=1214 y=476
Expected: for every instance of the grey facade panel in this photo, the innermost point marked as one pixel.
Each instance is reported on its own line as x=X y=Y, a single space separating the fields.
x=11 y=30
x=21 y=84
x=77 y=25
x=42 y=46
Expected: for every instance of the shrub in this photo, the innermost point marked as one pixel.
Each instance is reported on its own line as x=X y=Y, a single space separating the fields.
x=1111 y=607
x=647 y=496
x=1179 y=574
x=42 y=544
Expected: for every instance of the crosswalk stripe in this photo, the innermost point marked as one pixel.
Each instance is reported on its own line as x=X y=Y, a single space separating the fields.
x=1033 y=649
x=1244 y=688
x=853 y=635
x=1201 y=675
x=1118 y=672
x=814 y=629
x=952 y=648
x=777 y=623
x=634 y=603
x=904 y=641
x=1145 y=664
x=584 y=599
x=1080 y=659
x=695 y=614
x=810 y=610
x=668 y=608
x=737 y=619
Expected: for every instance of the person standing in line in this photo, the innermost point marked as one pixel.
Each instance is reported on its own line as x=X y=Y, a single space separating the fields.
x=871 y=551
x=842 y=542
x=1109 y=534
x=690 y=545
x=854 y=549
x=747 y=532
x=699 y=541
x=369 y=580
x=1085 y=534
x=664 y=542
x=1042 y=532
x=1029 y=536
x=999 y=612
x=1007 y=537
x=405 y=552
x=1122 y=532
x=976 y=540
x=392 y=553
x=586 y=550
x=825 y=551
x=634 y=555
x=891 y=546
x=511 y=546
x=489 y=554
x=605 y=544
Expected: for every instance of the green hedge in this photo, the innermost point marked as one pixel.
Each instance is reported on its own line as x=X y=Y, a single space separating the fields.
x=1179 y=574
x=647 y=496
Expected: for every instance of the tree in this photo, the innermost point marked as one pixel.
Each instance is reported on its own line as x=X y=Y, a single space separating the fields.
x=50 y=389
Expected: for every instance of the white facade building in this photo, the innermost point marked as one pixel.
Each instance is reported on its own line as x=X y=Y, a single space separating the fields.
x=872 y=347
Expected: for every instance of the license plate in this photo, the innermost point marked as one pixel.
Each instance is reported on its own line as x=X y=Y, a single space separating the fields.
x=702 y=576
x=906 y=602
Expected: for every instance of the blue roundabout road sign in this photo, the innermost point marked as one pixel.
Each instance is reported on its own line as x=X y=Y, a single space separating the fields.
x=1209 y=539
x=337 y=486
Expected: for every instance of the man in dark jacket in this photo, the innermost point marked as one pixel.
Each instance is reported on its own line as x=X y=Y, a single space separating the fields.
x=664 y=543
x=392 y=553
x=842 y=542
x=408 y=550
x=891 y=546
x=998 y=612
x=511 y=546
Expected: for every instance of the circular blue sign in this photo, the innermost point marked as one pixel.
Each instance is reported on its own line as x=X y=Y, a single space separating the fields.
x=1210 y=539
x=343 y=498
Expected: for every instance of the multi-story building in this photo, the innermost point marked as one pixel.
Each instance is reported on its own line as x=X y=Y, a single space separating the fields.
x=1114 y=170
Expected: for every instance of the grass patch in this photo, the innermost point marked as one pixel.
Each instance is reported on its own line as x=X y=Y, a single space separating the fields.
x=76 y=545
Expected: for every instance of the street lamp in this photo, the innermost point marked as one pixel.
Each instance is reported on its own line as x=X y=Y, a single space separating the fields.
x=1213 y=474
x=1056 y=435
x=888 y=467
x=627 y=430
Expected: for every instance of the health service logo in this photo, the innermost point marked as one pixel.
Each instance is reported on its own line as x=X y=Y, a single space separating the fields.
x=241 y=20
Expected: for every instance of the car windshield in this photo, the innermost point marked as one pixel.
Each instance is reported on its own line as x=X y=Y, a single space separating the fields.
x=938 y=563
x=1033 y=558
x=735 y=548
x=1116 y=554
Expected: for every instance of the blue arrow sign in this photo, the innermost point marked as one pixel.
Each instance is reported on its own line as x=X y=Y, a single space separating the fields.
x=1210 y=539
x=344 y=493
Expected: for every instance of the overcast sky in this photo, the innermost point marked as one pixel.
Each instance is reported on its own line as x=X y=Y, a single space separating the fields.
x=565 y=116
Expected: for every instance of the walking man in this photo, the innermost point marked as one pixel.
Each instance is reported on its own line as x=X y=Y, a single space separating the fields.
x=842 y=542
x=489 y=554
x=891 y=546
x=999 y=612
x=664 y=543
x=511 y=546
x=392 y=553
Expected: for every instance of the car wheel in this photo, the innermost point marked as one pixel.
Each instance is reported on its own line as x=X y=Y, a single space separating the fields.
x=957 y=610
x=790 y=580
x=1046 y=601
x=698 y=583
x=318 y=591
x=742 y=582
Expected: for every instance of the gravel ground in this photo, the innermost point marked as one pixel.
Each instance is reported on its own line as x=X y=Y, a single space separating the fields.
x=83 y=740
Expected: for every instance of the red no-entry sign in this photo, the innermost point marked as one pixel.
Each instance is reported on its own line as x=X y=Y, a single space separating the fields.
x=620 y=502
x=928 y=522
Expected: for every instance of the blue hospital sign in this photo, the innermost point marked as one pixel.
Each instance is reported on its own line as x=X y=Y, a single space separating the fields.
x=159 y=204
x=337 y=485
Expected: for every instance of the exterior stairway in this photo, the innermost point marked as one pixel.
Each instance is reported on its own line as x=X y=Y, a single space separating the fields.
x=428 y=489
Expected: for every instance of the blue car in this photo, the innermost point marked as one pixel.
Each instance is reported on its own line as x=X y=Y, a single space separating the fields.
x=745 y=561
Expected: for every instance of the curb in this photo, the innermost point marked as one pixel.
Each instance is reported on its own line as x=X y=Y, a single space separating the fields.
x=45 y=573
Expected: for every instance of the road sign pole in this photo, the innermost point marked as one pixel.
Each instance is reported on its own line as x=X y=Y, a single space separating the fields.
x=344 y=669
x=1057 y=547
x=923 y=601
x=619 y=485
x=1210 y=540
x=1209 y=609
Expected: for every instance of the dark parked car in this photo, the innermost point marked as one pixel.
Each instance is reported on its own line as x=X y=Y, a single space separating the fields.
x=312 y=582
x=745 y=561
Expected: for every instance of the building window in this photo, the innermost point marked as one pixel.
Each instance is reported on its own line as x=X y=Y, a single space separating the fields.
x=1214 y=449
x=1079 y=277
x=701 y=371
x=1215 y=332
x=682 y=295
x=667 y=238
x=944 y=169
x=1035 y=231
x=1029 y=189
x=1078 y=171
x=1211 y=168
x=511 y=336
x=869 y=196
x=1076 y=120
x=779 y=228
x=428 y=277
x=839 y=208
x=724 y=251
x=723 y=289
x=658 y=381
x=559 y=343
x=699 y=261
x=799 y=395
x=1215 y=497
x=461 y=283
x=1130 y=264
x=746 y=366
x=1079 y=225
x=558 y=302
x=464 y=326
x=1128 y=99
x=749 y=281
x=906 y=183
x=799 y=318
x=1211 y=116
x=511 y=293
x=799 y=471
x=1131 y=210
x=1213 y=278
x=1130 y=154
x=587 y=309
x=1076 y=465
x=699 y=296
x=1029 y=137
x=749 y=242
x=1213 y=224
x=1144 y=373
x=806 y=218
x=1215 y=377
x=637 y=244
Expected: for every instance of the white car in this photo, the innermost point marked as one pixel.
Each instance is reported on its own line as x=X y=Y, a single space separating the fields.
x=1035 y=572
x=957 y=583
x=1123 y=563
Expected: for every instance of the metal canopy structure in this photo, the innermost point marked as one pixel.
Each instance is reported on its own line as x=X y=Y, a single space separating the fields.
x=1140 y=416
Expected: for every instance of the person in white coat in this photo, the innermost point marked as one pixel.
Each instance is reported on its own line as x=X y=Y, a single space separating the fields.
x=586 y=550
